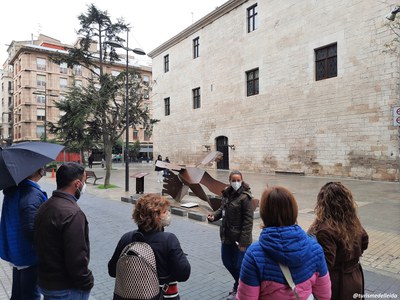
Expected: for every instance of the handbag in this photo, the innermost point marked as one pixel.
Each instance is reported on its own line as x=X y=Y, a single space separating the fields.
x=288 y=276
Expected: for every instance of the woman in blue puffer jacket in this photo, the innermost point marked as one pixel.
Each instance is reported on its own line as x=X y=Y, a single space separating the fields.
x=282 y=241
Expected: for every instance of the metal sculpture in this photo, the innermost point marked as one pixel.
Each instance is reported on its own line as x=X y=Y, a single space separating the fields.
x=177 y=185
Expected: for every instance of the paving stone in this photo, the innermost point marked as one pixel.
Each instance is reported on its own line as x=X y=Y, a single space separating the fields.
x=196 y=216
x=179 y=211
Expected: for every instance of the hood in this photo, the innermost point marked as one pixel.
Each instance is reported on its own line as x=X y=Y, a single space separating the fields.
x=288 y=245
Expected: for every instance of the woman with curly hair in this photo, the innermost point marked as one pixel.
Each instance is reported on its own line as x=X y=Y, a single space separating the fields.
x=152 y=214
x=338 y=230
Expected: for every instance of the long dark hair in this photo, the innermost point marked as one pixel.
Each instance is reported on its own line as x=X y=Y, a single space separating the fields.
x=336 y=208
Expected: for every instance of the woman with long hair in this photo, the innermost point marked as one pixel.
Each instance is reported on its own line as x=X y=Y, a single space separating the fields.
x=151 y=214
x=283 y=242
x=338 y=230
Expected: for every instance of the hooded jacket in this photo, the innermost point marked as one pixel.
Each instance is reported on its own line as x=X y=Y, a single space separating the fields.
x=20 y=205
x=236 y=212
x=262 y=278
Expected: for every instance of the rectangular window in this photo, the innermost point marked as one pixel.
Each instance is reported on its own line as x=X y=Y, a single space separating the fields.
x=63 y=68
x=63 y=83
x=41 y=114
x=167 y=106
x=196 y=47
x=135 y=135
x=40 y=99
x=78 y=83
x=196 y=98
x=39 y=131
x=252 y=18
x=252 y=82
x=78 y=70
x=326 y=62
x=146 y=136
x=41 y=81
x=166 y=63
x=146 y=80
x=41 y=64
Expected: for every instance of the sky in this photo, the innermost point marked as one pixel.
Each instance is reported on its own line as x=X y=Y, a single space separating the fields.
x=153 y=21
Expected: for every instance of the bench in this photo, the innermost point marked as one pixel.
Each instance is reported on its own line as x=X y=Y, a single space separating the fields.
x=91 y=174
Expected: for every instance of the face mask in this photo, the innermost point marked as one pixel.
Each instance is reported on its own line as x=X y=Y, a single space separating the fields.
x=236 y=185
x=80 y=192
x=166 y=220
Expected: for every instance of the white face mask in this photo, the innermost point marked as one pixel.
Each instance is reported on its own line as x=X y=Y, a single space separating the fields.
x=236 y=185
x=166 y=220
x=80 y=192
x=83 y=189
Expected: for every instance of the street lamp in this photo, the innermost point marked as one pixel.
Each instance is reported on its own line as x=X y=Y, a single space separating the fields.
x=139 y=52
x=45 y=94
x=392 y=15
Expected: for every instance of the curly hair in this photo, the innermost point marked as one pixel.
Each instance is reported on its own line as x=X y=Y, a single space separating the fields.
x=148 y=210
x=337 y=209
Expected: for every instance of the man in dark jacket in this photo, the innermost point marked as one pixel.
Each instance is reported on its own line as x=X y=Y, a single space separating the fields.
x=20 y=206
x=62 y=239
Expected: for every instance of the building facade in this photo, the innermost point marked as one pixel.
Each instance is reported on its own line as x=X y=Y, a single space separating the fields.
x=39 y=82
x=6 y=105
x=293 y=86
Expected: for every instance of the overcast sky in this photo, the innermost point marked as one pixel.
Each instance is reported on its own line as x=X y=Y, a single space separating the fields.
x=153 y=21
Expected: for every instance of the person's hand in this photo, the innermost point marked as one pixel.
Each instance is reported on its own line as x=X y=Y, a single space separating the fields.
x=210 y=218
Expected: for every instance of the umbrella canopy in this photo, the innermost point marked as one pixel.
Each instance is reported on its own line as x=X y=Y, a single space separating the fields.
x=21 y=160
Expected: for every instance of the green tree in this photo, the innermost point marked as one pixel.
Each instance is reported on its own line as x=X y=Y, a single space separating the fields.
x=71 y=128
x=102 y=101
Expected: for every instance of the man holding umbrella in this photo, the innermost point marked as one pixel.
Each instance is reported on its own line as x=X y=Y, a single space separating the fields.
x=20 y=206
x=21 y=167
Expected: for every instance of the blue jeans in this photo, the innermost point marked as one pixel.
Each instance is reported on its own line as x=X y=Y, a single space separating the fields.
x=72 y=294
x=24 y=284
x=232 y=259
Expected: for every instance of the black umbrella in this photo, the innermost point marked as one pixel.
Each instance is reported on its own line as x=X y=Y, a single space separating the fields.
x=21 y=160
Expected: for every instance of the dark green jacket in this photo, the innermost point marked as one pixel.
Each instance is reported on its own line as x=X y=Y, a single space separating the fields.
x=236 y=212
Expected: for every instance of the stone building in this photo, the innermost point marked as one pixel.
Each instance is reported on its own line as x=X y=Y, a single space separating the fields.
x=38 y=82
x=282 y=86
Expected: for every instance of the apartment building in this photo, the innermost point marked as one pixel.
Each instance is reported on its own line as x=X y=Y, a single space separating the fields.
x=6 y=105
x=282 y=87
x=39 y=82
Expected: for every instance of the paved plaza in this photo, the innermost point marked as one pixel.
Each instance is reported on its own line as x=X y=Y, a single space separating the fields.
x=109 y=218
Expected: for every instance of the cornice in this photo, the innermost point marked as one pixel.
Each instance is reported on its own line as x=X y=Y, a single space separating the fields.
x=203 y=22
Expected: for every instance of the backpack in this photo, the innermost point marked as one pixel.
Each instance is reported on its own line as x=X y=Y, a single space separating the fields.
x=136 y=273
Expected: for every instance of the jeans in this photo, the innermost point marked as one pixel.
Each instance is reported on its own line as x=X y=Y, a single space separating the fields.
x=232 y=259
x=24 y=284
x=72 y=294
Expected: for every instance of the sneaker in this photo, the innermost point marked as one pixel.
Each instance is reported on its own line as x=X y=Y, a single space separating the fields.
x=232 y=296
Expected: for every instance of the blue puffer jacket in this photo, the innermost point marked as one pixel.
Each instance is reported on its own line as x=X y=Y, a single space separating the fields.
x=261 y=276
x=20 y=205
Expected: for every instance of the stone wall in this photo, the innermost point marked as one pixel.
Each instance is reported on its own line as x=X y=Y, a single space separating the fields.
x=340 y=126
